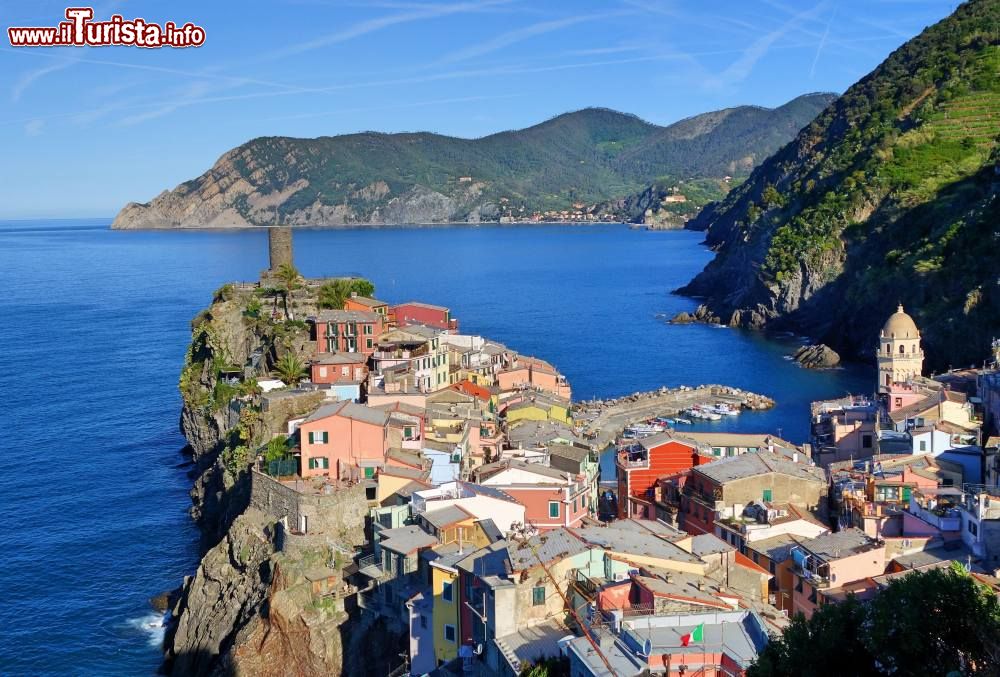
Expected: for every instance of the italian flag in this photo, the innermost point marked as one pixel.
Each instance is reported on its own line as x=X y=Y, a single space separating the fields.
x=696 y=635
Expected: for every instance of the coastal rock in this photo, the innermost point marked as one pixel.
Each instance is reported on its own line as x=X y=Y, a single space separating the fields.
x=223 y=596
x=816 y=357
x=701 y=314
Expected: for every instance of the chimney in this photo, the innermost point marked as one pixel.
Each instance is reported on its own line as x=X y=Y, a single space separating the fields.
x=701 y=584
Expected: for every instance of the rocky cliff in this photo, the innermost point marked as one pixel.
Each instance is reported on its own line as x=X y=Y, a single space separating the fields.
x=887 y=196
x=251 y=608
x=577 y=161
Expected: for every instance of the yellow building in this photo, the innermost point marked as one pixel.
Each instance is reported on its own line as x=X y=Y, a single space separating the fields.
x=539 y=407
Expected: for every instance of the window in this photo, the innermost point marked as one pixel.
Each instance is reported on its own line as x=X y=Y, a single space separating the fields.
x=369 y=473
x=553 y=509
x=319 y=437
x=322 y=372
x=973 y=529
x=866 y=441
x=423 y=622
x=318 y=463
x=446 y=593
x=408 y=432
x=538 y=595
x=923 y=445
x=368 y=343
x=716 y=451
x=345 y=371
x=367 y=329
x=767 y=495
x=449 y=633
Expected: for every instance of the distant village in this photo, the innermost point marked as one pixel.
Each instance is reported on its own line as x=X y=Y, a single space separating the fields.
x=495 y=541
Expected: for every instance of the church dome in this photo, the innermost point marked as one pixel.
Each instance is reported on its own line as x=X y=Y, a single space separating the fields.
x=900 y=325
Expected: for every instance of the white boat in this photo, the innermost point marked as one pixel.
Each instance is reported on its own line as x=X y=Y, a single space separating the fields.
x=725 y=409
x=682 y=421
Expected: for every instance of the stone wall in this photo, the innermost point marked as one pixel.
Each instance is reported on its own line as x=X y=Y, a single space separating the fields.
x=339 y=514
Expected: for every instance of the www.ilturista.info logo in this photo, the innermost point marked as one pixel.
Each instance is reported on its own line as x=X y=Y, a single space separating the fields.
x=81 y=31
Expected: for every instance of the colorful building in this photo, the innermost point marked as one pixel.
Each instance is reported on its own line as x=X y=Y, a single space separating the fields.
x=640 y=463
x=551 y=498
x=348 y=331
x=415 y=313
x=343 y=440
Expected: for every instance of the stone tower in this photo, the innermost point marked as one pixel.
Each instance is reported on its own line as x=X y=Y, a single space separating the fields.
x=900 y=357
x=279 y=246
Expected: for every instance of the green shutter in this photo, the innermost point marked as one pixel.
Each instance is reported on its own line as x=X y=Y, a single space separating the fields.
x=767 y=495
x=326 y=437
x=311 y=441
x=369 y=473
x=553 y=509
x=906 y=494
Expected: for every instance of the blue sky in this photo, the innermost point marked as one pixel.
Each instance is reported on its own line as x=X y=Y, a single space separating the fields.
x=85 y=130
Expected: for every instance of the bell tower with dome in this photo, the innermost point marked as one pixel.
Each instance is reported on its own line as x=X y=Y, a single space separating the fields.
x=900 y=357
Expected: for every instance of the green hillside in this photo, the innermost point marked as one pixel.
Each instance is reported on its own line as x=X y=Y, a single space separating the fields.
x=586 y=158
x=890 y=194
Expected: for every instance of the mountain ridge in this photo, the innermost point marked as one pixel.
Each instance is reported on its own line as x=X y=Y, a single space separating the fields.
x=589 y=158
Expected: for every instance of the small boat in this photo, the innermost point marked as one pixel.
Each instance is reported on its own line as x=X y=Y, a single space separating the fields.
x=682 y=421
x=725 y=410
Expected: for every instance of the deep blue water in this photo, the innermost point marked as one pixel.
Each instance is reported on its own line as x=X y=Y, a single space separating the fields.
x=94 y=325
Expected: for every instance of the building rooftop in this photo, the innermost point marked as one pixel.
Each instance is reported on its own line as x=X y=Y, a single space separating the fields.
x=368 y=301
x=419 y=304
x=569 y=451
x=531 y=644
x=628 y=542
x=654 y=527
x=347 y=316
x=839 y=544
x=347 y=409
x=406 y=540
x=684 y=587
x=760 y=463
x=709 y=544
x=445 y=517
x=550 y=546
x=776 y=548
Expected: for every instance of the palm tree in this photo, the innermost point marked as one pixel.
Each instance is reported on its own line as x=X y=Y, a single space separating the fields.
x=289 y=277
x=290 y=369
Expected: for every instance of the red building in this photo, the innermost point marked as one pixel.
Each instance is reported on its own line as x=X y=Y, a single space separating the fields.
x=348 y=331
x=640 y=463
x=413 y=312
x=340 y=368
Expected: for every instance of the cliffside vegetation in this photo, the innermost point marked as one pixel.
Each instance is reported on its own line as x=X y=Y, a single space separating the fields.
x=889 y=195
x=583 y=158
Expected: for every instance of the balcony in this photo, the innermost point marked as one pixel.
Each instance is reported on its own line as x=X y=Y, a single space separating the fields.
x=633 y=457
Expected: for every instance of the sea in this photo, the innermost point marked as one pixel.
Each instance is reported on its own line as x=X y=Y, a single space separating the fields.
x=94 y=324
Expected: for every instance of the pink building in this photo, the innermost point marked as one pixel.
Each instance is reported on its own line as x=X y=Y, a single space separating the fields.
x=551 y=498
x=343 y=440
x=899 y=395
x=348 y=331
x=829 y=565
x=536 y=373
x=412 y=312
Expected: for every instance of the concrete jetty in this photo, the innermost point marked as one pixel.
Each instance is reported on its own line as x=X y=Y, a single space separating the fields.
x=603 y=420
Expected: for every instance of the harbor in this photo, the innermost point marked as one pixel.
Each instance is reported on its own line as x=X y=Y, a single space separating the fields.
x=604 y=420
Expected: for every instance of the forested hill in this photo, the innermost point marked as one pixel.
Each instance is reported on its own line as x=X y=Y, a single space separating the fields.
x=581 y=162
x=889 y=195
